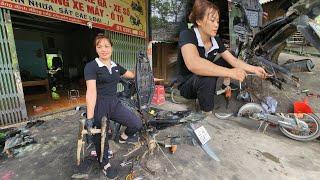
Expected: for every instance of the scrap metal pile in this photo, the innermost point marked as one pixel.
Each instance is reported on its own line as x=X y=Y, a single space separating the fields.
x=13 y=139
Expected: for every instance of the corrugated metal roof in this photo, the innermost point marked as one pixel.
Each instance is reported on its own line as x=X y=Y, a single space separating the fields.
x=265 y=1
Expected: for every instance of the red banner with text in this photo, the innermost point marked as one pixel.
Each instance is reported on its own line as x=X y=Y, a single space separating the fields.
x=124 y=16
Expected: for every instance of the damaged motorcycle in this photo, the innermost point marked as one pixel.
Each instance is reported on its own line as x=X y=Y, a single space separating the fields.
x=261 y=45
x=301 y=127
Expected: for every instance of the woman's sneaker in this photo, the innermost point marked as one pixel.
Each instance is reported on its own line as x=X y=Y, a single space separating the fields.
x=110 y=172
x=94 y=154
x=110 y=154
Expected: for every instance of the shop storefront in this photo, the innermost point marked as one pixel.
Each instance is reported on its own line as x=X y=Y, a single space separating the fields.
x=37 y=36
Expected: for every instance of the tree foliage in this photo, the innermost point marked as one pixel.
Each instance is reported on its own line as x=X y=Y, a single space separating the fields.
x=165 y=11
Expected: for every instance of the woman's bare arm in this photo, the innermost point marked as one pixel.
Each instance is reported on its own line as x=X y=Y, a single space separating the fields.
x=203 y=67
x=91 y=97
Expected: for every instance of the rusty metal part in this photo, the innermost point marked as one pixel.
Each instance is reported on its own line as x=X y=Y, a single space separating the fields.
x=228 y=92
x=103 y=136
x=228 y=95
x=136 y=147
x=143 y=163
x=83 y=132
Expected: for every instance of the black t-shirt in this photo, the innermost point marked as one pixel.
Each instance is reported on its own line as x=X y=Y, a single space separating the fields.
x=189 y=36
x=106 y=81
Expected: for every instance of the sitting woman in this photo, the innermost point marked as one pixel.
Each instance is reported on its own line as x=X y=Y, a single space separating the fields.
x=102 y=76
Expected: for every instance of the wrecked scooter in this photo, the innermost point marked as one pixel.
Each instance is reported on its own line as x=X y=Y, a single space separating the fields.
x=302 y=128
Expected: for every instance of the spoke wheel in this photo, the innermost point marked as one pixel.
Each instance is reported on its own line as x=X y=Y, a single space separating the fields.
x=309 y=128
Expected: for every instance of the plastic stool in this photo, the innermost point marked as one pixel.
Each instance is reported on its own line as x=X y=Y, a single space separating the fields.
x=73 y=94
x=159 y=95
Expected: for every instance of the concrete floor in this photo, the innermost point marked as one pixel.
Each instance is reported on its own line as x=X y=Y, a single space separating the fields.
x=50 y=106
x=244 y=152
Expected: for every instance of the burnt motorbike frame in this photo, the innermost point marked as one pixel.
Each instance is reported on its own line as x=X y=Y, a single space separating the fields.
x=137 y=96
x=262 y=45
x=140 y=105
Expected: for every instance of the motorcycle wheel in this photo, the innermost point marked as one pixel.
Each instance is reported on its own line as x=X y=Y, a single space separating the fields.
x=249 y=109
x=313 y=123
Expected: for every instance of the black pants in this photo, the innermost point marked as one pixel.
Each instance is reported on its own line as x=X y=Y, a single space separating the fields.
x=112 y=108
x=202 y=87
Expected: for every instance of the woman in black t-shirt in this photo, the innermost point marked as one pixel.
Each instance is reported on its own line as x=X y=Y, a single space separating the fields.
x=102 y=76
x=197 y=49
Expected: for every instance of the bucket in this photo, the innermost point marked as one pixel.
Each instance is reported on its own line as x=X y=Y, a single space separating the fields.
x=159 y=95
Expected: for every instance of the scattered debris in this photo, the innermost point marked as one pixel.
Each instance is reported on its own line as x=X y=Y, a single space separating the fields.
x=37 y=109
x=22 y=138
x=7 y=175
x=270 y=156
x=34 y=123
x=269 y=104
x=173 y=149
x=201 y=135
x=163 y=119
x=171 y=142
x=244 y=94
x=12 y=139
x=80 y=176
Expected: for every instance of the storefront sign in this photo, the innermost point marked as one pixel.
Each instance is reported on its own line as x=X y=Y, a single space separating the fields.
x=125 y=16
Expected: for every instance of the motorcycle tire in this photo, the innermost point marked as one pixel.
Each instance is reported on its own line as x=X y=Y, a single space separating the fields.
x=298 y=137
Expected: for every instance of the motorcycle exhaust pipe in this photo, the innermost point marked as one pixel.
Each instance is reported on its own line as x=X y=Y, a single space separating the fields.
x=303 y=65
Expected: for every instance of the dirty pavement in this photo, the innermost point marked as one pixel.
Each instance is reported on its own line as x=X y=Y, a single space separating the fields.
x=244 y=153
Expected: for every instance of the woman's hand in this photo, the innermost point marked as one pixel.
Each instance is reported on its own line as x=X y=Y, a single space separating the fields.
x=260 y=72
x=129 y=74
x=238 y=74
